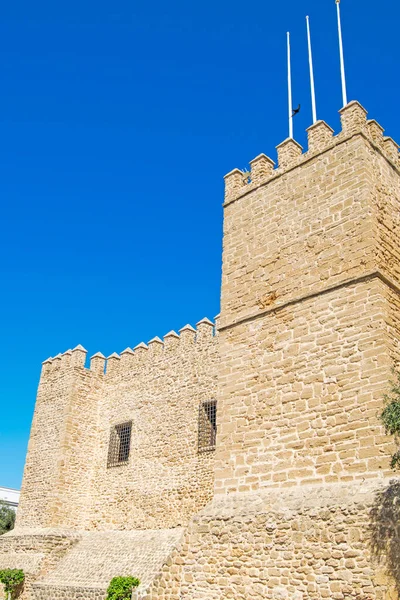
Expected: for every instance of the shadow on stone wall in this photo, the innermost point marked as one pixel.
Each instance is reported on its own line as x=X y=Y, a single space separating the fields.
x=385 y=531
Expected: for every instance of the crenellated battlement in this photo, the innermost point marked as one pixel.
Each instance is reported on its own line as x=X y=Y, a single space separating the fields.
x=320 y=139
x=131 y=359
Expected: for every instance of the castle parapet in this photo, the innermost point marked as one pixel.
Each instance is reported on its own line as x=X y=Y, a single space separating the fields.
x=130 y=361
x=234 y=181
x=171 y=341
x=391 y=149
x=187 y=335
x=141 y=352
x=375 y=132
x=155 y=347
x=57 y=362
x=113 y=363
x=353 y=118
x=205 y=329
x=262 y=167
x=320 y=135
x=158 y=350
x=97 y=363
x=127 y=359
x=289 y=152
x=66 y=359
x=320 y=138
x=46 y=367
x=78 y=357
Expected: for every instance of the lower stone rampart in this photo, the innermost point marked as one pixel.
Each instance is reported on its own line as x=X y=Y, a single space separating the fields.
x=337 y=541
x=68 y=566
x=43 y=592
x=35 y=551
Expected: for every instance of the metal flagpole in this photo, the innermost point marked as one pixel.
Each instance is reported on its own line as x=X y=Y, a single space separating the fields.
x=344 y=90
x=289 y=88
x=310 y=60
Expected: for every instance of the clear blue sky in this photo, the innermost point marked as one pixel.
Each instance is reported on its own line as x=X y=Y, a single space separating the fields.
x=118 y=121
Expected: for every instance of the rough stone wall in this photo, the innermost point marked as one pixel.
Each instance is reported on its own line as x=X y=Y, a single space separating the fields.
x=299 y=403
x=56 y=482
x=307 y=331
x=159 y=388
x=283 y=544
x=308 y=229
x=386 y=206
x=36 y=552
x=44 y=456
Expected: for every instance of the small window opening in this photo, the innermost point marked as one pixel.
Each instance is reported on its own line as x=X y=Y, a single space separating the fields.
x=207 y=425
x=120 y=444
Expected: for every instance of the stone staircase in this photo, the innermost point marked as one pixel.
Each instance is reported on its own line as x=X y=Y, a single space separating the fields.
x=85 y=571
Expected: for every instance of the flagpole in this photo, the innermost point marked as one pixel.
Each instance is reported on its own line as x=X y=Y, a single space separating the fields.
x=344 y=90
x=310 y=60
x=290 y=104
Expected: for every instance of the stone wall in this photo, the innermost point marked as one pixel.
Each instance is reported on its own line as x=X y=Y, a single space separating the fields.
x=308 y=329
x=299 y=403
x=64 y=386
x=287 y=544
x=36 y=552
x=159 y=388
x=86 y=571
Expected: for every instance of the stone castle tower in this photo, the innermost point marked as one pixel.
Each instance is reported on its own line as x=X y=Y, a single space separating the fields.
x=293 y=498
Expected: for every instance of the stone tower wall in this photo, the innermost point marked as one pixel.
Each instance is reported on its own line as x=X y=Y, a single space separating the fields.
x=307 y=326
x=159 y=387
x=304 y=506
x=62 y=443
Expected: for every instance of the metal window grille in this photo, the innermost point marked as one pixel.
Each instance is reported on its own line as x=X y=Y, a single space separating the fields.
x=120 y=444
x=207 y=425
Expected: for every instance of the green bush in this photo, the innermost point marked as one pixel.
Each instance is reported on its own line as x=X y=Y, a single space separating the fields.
x=120 y=588
x=390 y=416
x=12 y=579
x=7 y=518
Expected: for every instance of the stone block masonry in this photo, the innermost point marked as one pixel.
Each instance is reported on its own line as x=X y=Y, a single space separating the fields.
x=158 y=388
x=306 y=325
x=296 y=502
x=286 y=544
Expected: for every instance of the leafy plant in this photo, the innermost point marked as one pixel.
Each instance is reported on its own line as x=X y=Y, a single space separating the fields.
x=390 y=416
x=12 y=579
x=7 y=518
x=120 y=588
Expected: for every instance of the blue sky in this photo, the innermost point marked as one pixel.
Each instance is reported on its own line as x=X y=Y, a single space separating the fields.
x=118 y=121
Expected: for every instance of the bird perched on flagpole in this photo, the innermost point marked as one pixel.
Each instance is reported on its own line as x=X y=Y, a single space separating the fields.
x=295 y=111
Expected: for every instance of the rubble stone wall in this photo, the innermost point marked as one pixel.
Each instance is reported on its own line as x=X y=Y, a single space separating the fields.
x=166 y=480
x=309 y=542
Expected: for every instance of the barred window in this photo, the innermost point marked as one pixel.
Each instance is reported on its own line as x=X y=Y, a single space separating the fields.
x=207 y=425
x=120 y=444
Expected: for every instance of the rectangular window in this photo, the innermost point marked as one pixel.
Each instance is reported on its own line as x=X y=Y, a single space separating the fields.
x=207 y=425
x=120 y=444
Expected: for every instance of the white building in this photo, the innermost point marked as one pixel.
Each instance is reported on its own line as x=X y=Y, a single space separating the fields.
x=10 y=496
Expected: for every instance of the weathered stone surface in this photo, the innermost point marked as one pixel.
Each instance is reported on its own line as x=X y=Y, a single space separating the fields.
x=67 y=482
x=303 y=542
x=98 y=557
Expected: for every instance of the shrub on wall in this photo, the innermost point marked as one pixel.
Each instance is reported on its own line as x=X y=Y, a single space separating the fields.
x=390 y=417
x=7 y=518
x=120 y=588
x=12 y=579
